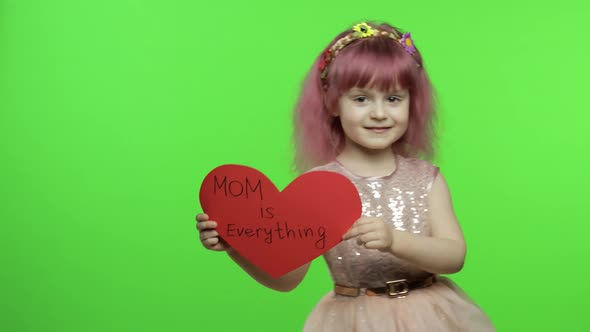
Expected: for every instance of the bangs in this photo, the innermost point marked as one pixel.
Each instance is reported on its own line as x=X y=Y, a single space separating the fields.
x=379 y=63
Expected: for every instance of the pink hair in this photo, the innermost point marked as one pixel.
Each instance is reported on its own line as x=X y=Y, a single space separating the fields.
x=374 y=62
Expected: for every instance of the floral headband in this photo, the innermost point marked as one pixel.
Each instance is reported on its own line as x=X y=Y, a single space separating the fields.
x=363 y=30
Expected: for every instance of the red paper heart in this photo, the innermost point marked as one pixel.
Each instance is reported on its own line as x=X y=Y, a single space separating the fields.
x=279 y=231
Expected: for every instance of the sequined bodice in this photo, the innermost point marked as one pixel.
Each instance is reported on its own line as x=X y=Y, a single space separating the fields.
x=401 y=199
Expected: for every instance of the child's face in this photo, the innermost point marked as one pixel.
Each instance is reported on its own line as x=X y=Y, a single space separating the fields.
x=372 y=119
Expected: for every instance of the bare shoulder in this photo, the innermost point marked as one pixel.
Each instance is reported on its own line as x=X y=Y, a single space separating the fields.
x=443 y=221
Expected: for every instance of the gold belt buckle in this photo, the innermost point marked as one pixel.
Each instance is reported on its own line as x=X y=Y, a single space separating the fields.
x=397 y=288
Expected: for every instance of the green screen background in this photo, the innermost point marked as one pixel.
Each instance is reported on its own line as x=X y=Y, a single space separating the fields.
x=112 y=113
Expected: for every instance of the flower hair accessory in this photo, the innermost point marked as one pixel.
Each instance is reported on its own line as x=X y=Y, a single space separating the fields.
x=363 y=30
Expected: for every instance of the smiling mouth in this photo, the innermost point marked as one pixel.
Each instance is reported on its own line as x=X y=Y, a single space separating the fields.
x=378 y=129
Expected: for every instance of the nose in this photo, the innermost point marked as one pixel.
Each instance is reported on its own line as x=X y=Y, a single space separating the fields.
x=378 y=112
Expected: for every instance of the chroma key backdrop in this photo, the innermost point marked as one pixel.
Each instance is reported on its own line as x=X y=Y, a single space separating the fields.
x=113 y=112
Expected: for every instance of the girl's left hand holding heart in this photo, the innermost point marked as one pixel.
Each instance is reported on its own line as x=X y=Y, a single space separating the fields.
x=372 y=233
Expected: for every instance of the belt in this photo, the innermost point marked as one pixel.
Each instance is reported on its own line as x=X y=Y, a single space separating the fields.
x=394 y=288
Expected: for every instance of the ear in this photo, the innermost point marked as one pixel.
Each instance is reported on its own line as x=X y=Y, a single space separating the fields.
x=335 y=113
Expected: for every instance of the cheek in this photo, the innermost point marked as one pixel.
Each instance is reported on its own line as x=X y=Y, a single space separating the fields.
x=346 y=127
x=403 y=116
x=349 y=124
x=349 y=130
x=345 y=119
x=404 y=119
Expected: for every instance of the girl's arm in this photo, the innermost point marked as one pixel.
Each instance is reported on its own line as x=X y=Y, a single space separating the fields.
x=443 y=252
x=285 y=283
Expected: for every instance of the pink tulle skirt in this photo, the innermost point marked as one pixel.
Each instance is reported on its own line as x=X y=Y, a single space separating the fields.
x=442 y=307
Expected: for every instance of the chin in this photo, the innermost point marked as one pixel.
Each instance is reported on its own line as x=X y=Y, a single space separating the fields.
x=377 y=147
x=372 y=145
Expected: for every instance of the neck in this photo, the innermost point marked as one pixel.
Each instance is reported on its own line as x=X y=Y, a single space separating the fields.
x=366 y=162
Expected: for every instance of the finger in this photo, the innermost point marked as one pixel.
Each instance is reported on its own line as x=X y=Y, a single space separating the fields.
x=210 y=242
x=202 y=217
x=363 y=221
x=368 y=237
x=208 y=234
x=204 y=225
x=221 y=246
x=351 y=233
x=375 y=244
x=360 y=229
x=218 y=247
x=368 y=227
x=359 y=242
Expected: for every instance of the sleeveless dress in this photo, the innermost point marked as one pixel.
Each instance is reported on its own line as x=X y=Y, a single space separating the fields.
x=401 y=199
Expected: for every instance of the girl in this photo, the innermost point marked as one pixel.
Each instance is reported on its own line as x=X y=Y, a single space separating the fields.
x=366 y=111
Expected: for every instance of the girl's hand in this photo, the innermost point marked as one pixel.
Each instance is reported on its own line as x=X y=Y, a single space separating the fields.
x=372 y=233
x=208 y=235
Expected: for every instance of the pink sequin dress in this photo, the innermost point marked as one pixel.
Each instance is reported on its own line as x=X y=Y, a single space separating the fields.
x=401 y=199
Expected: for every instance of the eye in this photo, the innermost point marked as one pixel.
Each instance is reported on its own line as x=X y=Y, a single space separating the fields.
x=360 y=99
x=394 y=99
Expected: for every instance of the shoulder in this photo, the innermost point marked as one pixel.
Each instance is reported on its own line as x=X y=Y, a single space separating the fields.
x=421 y=169
x=418 y=164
